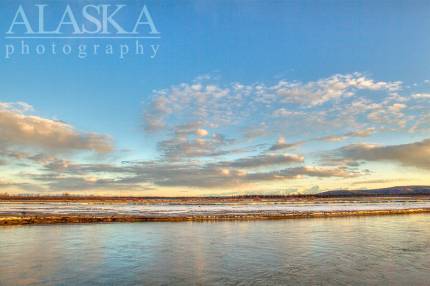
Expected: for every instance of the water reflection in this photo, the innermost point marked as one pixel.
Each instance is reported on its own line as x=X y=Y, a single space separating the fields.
x=355 y=250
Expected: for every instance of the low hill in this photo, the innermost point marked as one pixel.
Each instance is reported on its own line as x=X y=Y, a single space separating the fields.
x=400 y=190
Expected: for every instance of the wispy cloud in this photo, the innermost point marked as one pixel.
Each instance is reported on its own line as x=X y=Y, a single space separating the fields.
x=358 y=133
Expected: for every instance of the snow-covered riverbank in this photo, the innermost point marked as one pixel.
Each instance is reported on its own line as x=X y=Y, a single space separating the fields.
x=47 y=212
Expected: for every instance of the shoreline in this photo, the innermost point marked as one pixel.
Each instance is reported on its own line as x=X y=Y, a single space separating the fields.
x=8 y=220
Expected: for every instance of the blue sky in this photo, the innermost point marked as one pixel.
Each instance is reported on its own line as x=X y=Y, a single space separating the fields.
x=220 y=44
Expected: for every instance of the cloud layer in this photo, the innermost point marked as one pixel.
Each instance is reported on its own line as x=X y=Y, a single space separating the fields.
x=227 y=137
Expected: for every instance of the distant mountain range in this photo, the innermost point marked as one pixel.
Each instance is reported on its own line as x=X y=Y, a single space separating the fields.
x=401 y=191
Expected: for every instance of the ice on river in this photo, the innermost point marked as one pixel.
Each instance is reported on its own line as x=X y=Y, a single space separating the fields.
x=76 y=208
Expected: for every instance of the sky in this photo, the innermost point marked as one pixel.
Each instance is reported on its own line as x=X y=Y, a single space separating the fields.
x=226 y=98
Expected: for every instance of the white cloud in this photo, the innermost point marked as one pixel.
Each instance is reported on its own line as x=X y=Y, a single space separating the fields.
x=201 y=132
x=231 y=105
x=421 y=95
x=282 y=112
x=415 y=154
x=282 y=144
x=324 y=90
x=266 y=160
x=19 y=129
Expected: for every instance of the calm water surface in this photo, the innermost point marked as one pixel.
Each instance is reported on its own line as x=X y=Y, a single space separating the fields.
x=386 y=250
